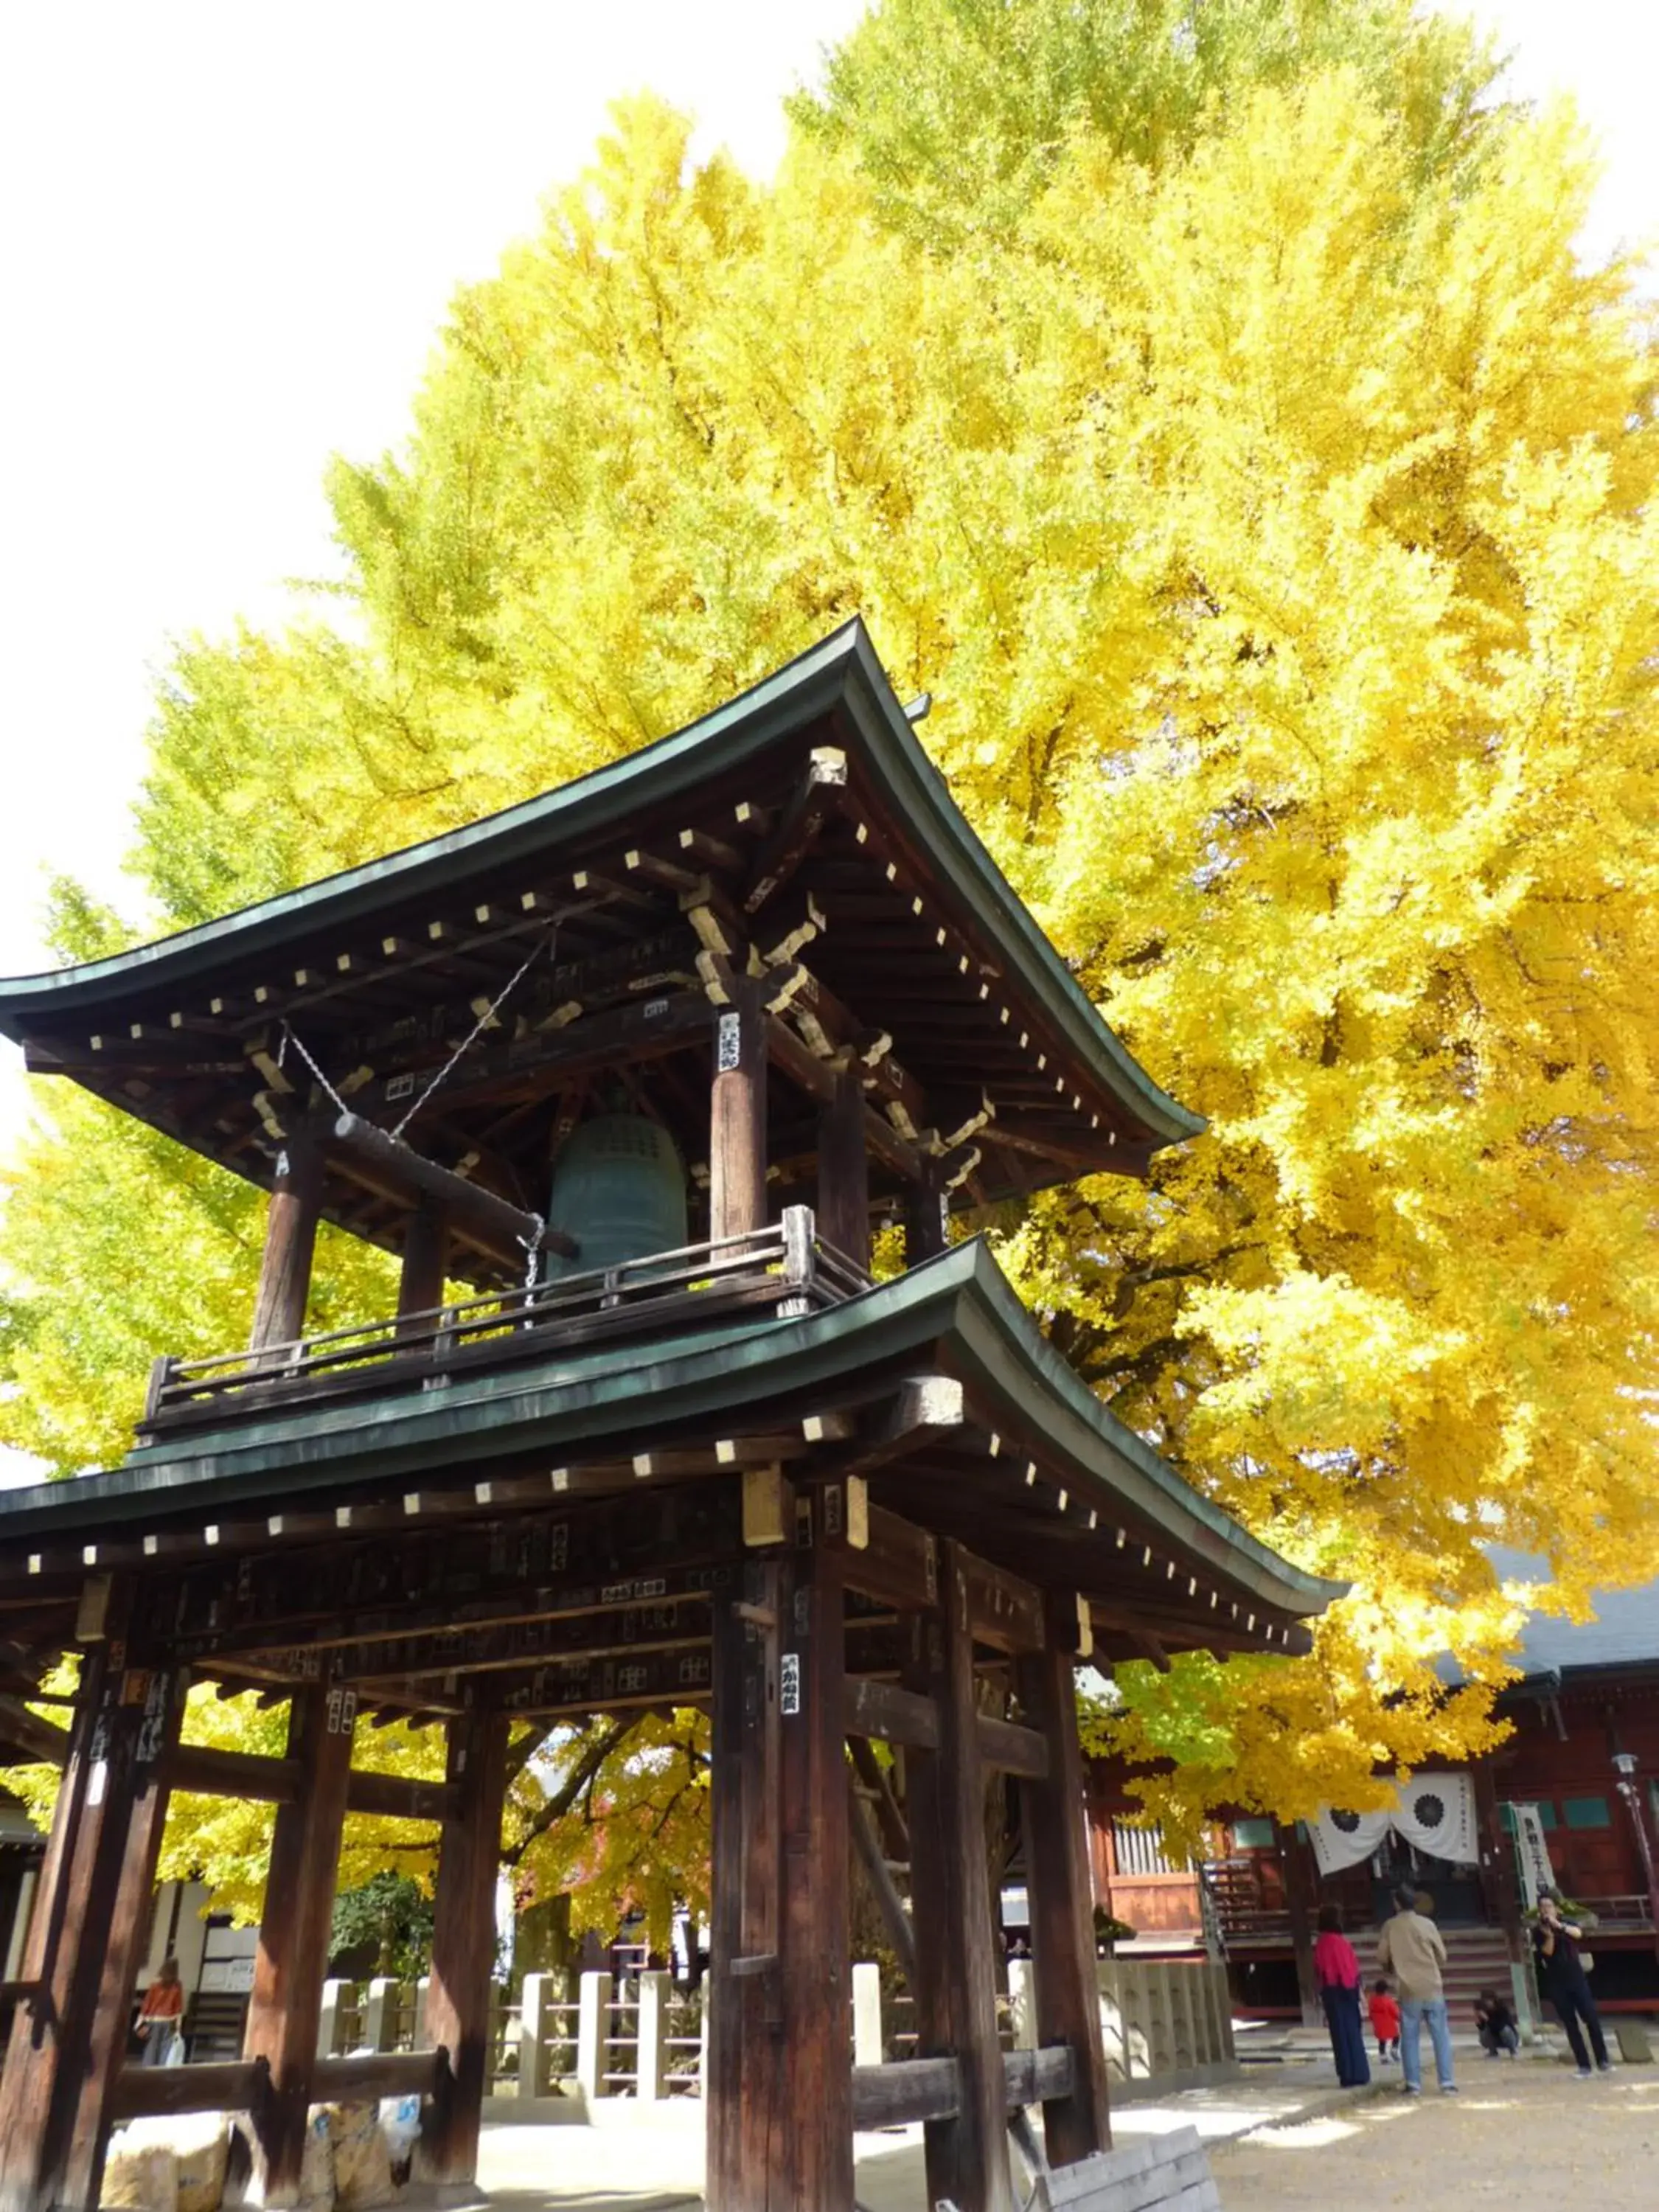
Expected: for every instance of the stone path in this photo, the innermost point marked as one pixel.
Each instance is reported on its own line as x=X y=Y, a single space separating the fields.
x=1529 y=2136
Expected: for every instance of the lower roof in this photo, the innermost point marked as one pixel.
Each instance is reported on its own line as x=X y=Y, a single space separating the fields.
x=1080 y=1499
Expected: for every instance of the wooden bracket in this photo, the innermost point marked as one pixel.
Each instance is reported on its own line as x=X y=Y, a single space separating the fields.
x=768 y=1505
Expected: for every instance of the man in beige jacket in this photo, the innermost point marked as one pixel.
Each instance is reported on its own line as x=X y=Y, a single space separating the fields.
x=1413 y=1948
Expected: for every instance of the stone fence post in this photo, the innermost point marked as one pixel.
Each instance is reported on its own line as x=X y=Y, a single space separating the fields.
x=593 y=2034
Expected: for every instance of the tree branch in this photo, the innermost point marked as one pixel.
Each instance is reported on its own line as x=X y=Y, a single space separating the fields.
x=581 y=1777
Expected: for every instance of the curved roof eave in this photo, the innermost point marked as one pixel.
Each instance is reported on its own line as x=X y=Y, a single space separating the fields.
x=959 y=1308
x=1017 y=1365
x=844 y=670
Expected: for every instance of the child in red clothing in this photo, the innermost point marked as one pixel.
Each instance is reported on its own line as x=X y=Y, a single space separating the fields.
x=1384 y=2010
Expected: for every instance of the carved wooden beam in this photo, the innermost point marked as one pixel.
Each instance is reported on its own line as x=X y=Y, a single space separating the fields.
x=821 y=794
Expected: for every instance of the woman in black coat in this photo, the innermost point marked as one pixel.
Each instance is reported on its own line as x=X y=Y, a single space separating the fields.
x=1562 y=1978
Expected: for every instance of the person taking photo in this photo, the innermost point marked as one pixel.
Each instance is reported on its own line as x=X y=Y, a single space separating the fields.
x=1561 y=1977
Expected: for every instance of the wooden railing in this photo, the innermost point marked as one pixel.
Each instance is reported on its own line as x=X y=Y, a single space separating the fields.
x=1627 y=1913
x=786 y=1267
x=1243 y=1911
x=244 y=2086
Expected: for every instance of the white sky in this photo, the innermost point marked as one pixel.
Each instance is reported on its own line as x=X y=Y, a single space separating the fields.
x=230 y=233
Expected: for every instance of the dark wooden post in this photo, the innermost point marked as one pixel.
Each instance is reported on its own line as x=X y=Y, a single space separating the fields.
x=737 y=1132
x=1057 y=1882
x=151 y=1709
x=36 y=2051
x=68 y=2043
x=843 y=1208
x=745 y=1808
x=296 y=1197
x=1498 y=1863
x=464 y=1939
x=810 y=2161
x=925 y=1233
x=1299 y=1905
x=293 y=1953
x=426 y=1254
x=967 y=2156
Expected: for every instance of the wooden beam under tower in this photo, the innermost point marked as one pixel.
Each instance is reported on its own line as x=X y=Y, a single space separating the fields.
x=464 y=1940
x=1052 y=1814
x=91 y=1912
x=745 y=1863
x=294 y=1932
x=967 y=2154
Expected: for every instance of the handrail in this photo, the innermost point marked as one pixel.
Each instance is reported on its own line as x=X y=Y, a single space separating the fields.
x=395 y=1336
x=785 y=1264
x=503 y=1303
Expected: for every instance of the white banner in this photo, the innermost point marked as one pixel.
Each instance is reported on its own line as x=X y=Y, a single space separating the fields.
x=1342 y=1839
x=1435 y=1814
x=1533 y=1850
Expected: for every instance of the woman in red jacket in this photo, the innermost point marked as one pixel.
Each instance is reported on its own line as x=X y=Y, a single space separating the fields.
x=1337 y=1972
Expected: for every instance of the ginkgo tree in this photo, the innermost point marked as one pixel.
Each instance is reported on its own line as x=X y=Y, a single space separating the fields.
x=1238 y=451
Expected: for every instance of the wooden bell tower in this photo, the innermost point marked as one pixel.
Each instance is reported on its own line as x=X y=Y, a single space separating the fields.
x=577 y=1471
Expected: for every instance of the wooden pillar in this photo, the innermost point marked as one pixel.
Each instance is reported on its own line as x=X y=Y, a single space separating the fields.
x=843 y=1208
x=925 y=1233
x=737 y=1131
x=464 y=1939
x=810 y=2161
x=779 y=2080
x=426 y=1255
x=36 y=2051
x=1498 y=1866
x=1299 y=1905
x=296 y=1197
x=967 y=2156
x=741 y=2006
x=1053 y=1814
x=152 y=1706
x=69 y=2043
x=293 y=1953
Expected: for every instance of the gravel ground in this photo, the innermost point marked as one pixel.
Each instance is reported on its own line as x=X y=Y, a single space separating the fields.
x=1531 y=2136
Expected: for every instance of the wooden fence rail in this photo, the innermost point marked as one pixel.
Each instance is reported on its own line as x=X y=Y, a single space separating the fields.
x=786 y=1266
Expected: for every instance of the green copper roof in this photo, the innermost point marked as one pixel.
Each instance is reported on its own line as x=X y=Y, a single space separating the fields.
x=958 y=1313
x=842 y=673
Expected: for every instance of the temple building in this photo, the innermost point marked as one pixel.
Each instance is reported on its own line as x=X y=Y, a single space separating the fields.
x=626 y=1077
x=1570 y=1799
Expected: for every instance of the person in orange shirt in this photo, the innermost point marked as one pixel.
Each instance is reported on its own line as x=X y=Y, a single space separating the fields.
x=1384 y=2009
x=161 y=2017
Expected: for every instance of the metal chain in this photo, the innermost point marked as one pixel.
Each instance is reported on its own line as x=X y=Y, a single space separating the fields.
x=532 y=1244
x=532 y=1253
x=543 y=945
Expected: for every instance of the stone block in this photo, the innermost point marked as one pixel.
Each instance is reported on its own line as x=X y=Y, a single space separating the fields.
x=362 y=2161
x=139 y=2176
